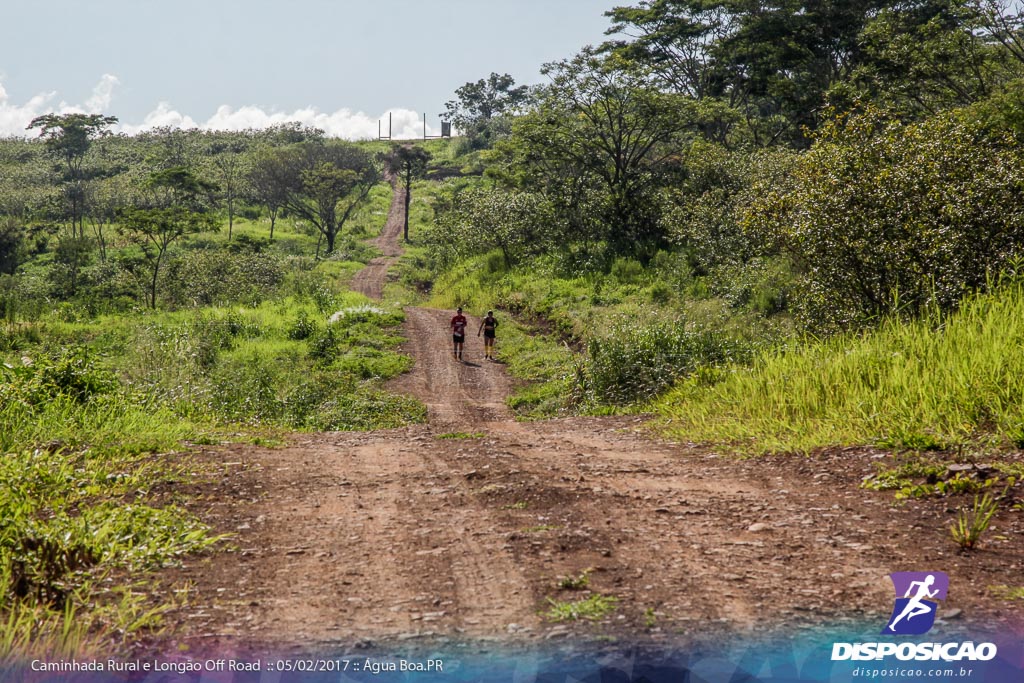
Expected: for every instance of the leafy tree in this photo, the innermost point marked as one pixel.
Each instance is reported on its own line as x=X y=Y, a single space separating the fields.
x=482 y=109
x=67 y=138
x=601 y=143
x=230 y=163
x=325 y=183
x=926 y=56
x=176 y=208
x=706 y=218
x=407 y=162
x=12 y=249
x=885 y=217
x=770 y=62
x=482 y=219
x=267 y=183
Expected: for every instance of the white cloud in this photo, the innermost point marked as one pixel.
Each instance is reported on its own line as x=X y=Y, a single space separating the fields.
x=102 y=95
x=343 y=123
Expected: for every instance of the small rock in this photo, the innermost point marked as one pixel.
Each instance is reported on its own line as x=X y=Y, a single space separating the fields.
x=759 y=526
x=952 y=614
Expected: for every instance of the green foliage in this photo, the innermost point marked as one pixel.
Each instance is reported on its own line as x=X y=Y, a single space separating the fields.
x=951 y=381
x=575 y=583
x=598 y=144
x=595 y=607
x=633 y=363
x=71 y=375
x=480 y=220
x=303 y=327
x=971 y=524
x=891 y=218
x=214 y=278
x=1008 y=592
x=482 y=109
x=707 y=211
x=64 y=529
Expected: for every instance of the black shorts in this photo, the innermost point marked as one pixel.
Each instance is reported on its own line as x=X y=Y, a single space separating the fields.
x=458 y=338
x=489 y=334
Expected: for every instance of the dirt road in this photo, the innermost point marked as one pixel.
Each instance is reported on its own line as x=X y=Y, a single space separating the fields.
x=461 y=530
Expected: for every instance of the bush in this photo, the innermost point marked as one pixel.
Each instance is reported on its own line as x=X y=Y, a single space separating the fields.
x=633 y=364
x=220 y=277
x=891 y=218
x=303 y=327
x=73 y=375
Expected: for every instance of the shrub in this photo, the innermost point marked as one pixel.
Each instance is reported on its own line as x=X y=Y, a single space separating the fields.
x=886 y=217
x=303 y=327
x=635 y=363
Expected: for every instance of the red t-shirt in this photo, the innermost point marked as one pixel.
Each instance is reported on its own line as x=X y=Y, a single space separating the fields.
x=459 y=323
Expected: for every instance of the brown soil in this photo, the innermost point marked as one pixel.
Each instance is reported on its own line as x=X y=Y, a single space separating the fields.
x=460 y=529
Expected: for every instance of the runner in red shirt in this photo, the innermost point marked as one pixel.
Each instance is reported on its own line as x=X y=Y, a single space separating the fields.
x=458 y=325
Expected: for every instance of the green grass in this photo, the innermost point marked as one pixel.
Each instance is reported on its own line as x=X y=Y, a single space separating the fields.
x=575 y=583
x=1008 y=592
x=591 y=609
x=461 y=435
x=922 y=385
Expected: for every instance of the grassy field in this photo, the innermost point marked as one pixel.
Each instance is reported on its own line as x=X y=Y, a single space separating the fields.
x=935 y=384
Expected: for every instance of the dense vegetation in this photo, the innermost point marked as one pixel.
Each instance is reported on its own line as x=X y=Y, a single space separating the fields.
x=722 y=178
x=157 y=291
x=780 y=225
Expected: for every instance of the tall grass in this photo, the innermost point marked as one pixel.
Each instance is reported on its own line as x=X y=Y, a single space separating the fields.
x=931 y=384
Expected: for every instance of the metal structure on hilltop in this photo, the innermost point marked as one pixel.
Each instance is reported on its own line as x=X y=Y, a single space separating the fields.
x=446 y=129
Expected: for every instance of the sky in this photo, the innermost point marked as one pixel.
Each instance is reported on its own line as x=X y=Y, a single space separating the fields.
x=340 y=65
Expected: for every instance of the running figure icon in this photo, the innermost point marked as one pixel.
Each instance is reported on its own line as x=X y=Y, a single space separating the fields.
x=917 y=596
x=916 y=607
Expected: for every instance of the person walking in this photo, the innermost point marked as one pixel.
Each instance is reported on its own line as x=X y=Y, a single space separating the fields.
x=488 y=326
x=458 y=326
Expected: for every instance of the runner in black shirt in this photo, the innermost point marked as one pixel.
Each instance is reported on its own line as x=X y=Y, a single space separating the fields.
x=488 y=326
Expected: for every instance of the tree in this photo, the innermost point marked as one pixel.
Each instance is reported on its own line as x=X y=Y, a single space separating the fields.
x=480 y=220
x=885 y=217
x=926 y=56
x=267 y=183
x=68 y=138
x=11 y=245
x=176 y=208
x=325 y=183
x=600 y=144
x=482 y=109
x=407 y=162
x=230 y=165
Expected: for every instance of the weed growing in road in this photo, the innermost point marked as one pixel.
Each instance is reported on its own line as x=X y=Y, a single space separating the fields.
x=518 y=505
x=461 y=435
x=540 y=528
x=1008 y=592
x=650 y=618
x=595 y=607
x=575 y=583
x=971 y=524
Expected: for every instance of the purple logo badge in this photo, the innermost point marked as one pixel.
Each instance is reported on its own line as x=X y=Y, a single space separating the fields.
x=917 y=594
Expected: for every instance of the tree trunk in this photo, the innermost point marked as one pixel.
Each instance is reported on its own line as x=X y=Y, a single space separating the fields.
x=152 y=285
x=408 y=198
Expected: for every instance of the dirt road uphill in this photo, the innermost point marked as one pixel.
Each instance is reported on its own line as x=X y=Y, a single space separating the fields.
x=473 y=527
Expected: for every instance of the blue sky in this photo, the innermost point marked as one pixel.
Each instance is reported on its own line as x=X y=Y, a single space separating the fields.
x=227 y=63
